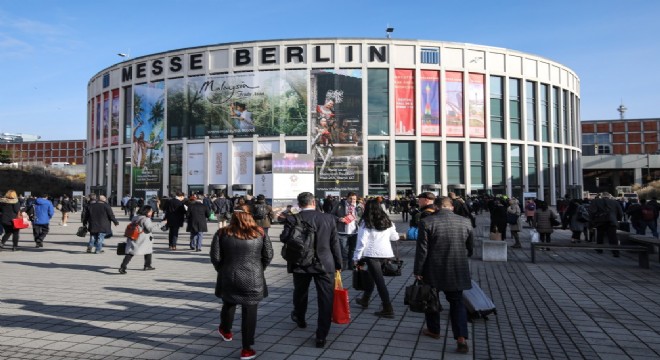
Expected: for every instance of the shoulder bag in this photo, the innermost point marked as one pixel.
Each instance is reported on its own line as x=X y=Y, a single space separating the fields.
x=392 y=267
x=422 y=298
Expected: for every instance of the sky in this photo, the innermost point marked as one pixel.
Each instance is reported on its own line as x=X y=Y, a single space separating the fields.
x=49 y=50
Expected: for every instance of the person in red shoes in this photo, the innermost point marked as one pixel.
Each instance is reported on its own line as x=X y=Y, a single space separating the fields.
x=240 y=254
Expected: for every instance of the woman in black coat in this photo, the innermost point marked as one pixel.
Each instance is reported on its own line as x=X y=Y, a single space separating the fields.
x=198 y=213
x=240 y=254
x=498 y=217
x=9 y=210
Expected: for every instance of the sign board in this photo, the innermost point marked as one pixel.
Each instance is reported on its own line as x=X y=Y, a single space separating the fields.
x=529 y=195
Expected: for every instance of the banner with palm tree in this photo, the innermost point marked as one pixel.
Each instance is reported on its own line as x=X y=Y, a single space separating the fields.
x=148 y=136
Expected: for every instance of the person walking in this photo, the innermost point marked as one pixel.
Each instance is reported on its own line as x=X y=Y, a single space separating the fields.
x=144 y=243
x=198 y=215
x=240 y=254
x=374 y=236
x=10 y=209
x=65 y=208
x=347 y=213
x=43 y=211
x=498 y=216
x=175 y=214
x=441 y=260
x=514 y=211
x=97 y=218
x=263 y=213
x=154 y=203
x=222 y=209
x=328 y=255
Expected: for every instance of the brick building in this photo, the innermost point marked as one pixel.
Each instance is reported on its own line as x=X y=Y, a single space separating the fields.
x=47 y=152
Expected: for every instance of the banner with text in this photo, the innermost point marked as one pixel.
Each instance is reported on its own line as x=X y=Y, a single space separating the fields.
x=454 y=103
x=218 y=160
x=196 y=173
x=430 y=84
x=476 y=106
x=106 y=118
x=242 y=163
x=404 y=98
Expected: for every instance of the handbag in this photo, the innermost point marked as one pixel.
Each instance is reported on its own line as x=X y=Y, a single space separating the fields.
x=535 y=237
x=20 y=223
x=164 y=227
x=392 y=267
x=512 y=218
x=82 y=231
x=496 y=235
x=362 y=279
x=553 y=220
x=121 y=248
x=212 y=217
x=341 y=308
x=422 y=298
x=412 y=233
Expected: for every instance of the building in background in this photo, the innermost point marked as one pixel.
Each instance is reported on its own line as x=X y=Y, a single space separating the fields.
x=380 y=116
x=620 y=152
x=46 y=153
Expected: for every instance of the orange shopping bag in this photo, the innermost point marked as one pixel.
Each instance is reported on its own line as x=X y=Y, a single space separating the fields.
x=341 y=308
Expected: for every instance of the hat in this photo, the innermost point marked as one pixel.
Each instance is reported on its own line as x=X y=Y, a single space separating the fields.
x=427 y=195
x=261 y=197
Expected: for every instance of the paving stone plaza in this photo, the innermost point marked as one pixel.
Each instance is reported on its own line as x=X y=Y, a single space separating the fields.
x=59 y=302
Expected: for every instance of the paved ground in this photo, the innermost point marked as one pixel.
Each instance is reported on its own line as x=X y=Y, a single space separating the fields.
x=59 y=302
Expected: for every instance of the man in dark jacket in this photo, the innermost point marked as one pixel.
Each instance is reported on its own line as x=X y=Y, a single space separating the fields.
x=262 y=213
x=347 y=213
x=605 y=214
x=329 y=260
x=175 y=215
x=444 y=244
x=198 y=213
x=427 y=207
x=222 y=209
x=97 y=217
x=43 y=211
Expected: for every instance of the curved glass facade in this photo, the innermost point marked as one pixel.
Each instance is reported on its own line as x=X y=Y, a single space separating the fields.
x=380 y=116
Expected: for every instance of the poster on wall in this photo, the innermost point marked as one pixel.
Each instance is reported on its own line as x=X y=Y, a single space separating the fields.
x=336 y=130
x=147 y=140
x=430 y=97
x=404 y=99
x=218 y=164
x=196 y=173
x=476 y=106
x=266 y=103
x=242 y=163
x=292 y=174
x=106 y=118
x=114 y=118
x=97 y=140
x=454 y=106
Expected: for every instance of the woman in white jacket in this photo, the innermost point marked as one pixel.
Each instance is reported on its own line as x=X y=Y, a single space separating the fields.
x=375 y=232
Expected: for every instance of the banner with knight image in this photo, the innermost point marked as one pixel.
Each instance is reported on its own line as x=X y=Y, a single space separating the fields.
x=430 y=84
x=454 y=108
x=336 y=130
x=148 y=136
x=476 y=106
x=267 y=103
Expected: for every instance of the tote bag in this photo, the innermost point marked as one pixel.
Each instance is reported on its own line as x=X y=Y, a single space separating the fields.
x=341 y=308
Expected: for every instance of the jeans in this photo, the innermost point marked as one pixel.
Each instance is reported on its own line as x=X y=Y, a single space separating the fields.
x=347 y=243
x=196 y=240
x=457 y=316
x=96 y=240
x=248 y=322
x=39 y=231
x=375 y=269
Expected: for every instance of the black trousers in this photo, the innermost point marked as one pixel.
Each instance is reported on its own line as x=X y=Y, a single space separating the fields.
x=608 y=231
x=173 y=235
x=248 y=321
x=375 y=269
x=325 y=284
x=39 y=231
x=129 y=257
x=10 y=232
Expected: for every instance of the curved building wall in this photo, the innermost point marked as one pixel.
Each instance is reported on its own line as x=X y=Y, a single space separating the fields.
x=380 y=116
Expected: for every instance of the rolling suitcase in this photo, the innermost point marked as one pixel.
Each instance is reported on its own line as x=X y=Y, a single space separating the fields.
x=477 y=303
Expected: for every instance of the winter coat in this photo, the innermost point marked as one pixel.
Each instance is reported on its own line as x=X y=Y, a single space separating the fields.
x=144 y=243
x=240 y=265
x=198 y=213
x=514 y=209
x=43 y=211
x=266 y=221
x=375 y=244
x=575 y=224
x=498 y=217
x=9 y=209
x=66 y=206
x=340 y=211
x=98 y=216
x=542 y=220
x=444 y=244
x=175 y=213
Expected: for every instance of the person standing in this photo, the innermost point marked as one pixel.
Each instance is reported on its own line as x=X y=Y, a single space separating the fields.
x=329 y=260
x=10 y=209
x=605 y=214
x=240 y=254
x=530 y=212
x=427 y=207
x=43 y=211
x=511 y=211
x=347 y=213
x=543 y=218
x=375 y=232
x=198 y=213
x=97 y=217
x=144 y=243
x=263 y=213
x=498 y=215
x=444 y=244
x=175 y=214
x=66 y=208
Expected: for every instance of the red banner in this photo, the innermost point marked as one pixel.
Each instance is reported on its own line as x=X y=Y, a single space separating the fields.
x=454 y=108
x=404 y=98
x=476 y=106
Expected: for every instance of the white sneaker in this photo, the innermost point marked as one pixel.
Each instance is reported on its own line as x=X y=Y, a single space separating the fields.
x=65 y=225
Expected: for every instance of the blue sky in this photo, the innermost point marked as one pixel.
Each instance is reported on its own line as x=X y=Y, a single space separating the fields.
x=50 y=49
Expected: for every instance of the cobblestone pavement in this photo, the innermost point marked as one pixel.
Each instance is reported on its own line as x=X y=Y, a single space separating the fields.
x=59 y=302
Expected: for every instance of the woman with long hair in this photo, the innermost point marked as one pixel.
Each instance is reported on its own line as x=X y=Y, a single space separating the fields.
x=240 y=253
x=9 y=210
x=375 y=232
x=143 y=245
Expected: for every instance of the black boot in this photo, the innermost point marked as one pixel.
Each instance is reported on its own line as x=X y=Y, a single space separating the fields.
x=386 y=311
x=363 y=301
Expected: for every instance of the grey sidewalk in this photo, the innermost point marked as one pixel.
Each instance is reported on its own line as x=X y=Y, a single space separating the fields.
x=59 y=302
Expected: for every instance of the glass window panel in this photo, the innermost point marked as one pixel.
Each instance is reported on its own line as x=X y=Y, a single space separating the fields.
x=430 y=162
x=532 y=171
x=516 y=165
x=176 y=167
x=128 y=115
x=545 y=126
x=555 y=114
x=455 y=163
x=405 y=162
x=530 y=94
x=514 y=109
x=497 y=165
x=378 y=101
x=296 y=146
x=496 y=107
x=477 y=166
x=378 y=163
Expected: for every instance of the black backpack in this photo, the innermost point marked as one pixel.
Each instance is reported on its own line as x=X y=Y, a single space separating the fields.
x=300 y=246
x=260 y=212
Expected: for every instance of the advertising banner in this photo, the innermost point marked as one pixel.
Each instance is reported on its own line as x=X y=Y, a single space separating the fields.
x=218 y=160
x=106 y=118
x=92 y=128
x=430 y=84
x=476 y=105
x=114 y=118
x=292 y=174
x=195 y=164
x=242 y=163
x=263 y=185
x=266 y=103
x=404 y=98
x=148 y=132
x=267 y=147
x=336 y=134
x=454 y=106
x=97 y=140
